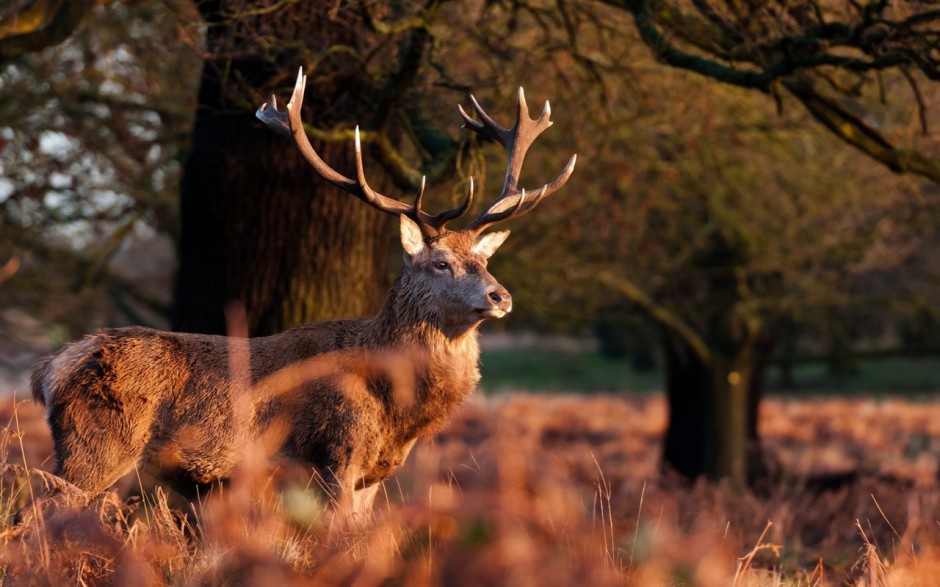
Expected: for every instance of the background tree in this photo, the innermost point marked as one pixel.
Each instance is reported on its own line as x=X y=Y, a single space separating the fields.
x=831 y=56
x=719 y=217
x=842 y=62
x=257 y=227
x=92 y=133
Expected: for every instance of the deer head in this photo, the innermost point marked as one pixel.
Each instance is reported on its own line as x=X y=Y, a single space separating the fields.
x=447 y=268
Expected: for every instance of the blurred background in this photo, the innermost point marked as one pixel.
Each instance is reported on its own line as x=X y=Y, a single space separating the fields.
x=756 y=206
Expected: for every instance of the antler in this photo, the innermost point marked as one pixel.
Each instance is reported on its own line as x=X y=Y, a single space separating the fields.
x=290 y=125
x=513 y=202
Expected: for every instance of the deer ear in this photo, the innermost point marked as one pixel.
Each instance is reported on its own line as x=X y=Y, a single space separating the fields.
x=411 y=238
x=488 y=243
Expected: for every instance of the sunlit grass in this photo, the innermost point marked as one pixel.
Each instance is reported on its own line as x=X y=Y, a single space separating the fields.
x=522 y=490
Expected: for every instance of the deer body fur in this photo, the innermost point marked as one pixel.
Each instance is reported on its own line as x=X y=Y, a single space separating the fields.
x=168 y=401
x=347 y=397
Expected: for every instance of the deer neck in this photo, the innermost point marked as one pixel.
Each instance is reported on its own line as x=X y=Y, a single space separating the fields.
x=446 y=358
x=405 y=320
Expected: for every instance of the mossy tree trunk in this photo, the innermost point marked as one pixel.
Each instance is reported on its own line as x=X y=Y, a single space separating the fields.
x=258 y=227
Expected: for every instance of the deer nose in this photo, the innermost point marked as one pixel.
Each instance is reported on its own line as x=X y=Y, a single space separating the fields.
x=500 y=298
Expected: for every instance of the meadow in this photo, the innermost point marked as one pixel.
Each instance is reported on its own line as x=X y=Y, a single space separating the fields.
x=519 y=489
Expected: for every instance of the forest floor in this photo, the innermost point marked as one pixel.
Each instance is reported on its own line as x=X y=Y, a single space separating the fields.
x=526 y=489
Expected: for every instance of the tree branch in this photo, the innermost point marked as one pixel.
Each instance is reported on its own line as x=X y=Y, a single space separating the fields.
x=661 y=314
x=671 y=55
x=857 y=133
x=744 y=51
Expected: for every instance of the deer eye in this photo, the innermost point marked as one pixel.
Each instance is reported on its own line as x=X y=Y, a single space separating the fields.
x=442 y=265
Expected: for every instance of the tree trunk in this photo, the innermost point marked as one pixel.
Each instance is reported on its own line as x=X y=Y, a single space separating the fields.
x=712 y=429
x=259 y=229
x=841 y=359
x=257 y=226
x=685 y=446
x=727 y=418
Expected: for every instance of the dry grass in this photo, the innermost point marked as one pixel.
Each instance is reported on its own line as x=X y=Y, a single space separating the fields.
x=519 y=490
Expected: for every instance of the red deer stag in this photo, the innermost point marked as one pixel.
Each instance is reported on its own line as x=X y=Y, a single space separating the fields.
x=173 y=402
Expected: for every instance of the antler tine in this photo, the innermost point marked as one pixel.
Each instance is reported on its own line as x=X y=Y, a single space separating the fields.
x=488 y=128
x=522 y=206
x=371 y=196
x=420 y=196
x=290 y=124
x=515 y=210
x=512 y=202
x=502 y=209
x=448 y=215
x=438 y=220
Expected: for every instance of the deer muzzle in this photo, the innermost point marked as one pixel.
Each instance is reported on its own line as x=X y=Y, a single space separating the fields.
x=500 y=302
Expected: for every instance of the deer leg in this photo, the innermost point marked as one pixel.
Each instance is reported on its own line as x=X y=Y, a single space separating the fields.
x=360 y=511
x=350 y=507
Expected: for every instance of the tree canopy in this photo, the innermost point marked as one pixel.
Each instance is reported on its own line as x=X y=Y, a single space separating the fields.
x=831 y=56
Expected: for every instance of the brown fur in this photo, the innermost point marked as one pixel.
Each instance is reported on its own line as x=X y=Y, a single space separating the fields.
x=349 y=397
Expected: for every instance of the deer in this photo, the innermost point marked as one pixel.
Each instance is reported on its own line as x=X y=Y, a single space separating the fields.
x=327 y=394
